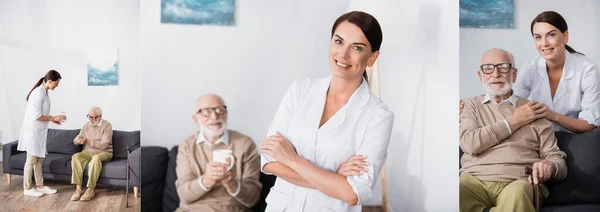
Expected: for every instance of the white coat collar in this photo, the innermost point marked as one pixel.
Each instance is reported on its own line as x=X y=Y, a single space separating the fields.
x=359 y=99
x=568 y=69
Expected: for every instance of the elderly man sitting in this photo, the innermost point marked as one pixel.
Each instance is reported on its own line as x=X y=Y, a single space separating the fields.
x=206 y=184
x=96 y=136
x=501 y=135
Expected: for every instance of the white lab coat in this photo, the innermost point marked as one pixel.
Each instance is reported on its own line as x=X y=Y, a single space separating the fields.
x=363 y=126
x=578 y=92
x=33 y=132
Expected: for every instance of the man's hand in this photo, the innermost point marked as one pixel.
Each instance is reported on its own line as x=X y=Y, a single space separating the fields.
x=229 y=181
x=86 y=141
x=80 y=140
x=215 y=172
x=542 y=172
x=354 y=166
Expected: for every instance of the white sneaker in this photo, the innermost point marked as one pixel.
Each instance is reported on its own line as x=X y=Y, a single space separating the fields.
x=47 y=190
x=32 y=192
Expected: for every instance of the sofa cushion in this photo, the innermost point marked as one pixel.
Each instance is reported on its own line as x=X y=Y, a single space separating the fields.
x=115 y=169
x=53 y=163
x=122 y=140
x=170 y=197
x=582 y=184
x=153 y=179
x=61 y=141
x=157 y=158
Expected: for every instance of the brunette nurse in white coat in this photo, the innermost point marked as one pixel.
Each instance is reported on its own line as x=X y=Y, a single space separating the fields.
x=563 y=80
x=329 y=138
x=34 y=133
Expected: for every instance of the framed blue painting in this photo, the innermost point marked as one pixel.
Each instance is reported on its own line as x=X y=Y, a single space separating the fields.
x=201 y=12
x=487 y=14
x=103 y=68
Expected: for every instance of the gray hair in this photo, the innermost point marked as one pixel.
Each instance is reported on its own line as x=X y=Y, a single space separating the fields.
x=510 y=55
x=97 y=109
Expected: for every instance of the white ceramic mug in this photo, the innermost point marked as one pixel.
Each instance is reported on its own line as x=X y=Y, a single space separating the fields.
x=221 y=155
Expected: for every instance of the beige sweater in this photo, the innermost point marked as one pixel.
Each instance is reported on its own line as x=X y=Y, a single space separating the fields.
x=493 y=154
x=191 y=163
x=100 y=137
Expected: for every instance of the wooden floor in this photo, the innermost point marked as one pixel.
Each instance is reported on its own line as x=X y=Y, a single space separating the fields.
x=107 y=198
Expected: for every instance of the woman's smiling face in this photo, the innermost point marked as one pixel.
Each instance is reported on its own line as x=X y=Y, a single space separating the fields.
x=550 y=42
x=349 y=51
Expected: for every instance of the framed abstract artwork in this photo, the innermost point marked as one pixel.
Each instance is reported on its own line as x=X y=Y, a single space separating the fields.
x=103 y=68
x=498 y=14
x=201 y=12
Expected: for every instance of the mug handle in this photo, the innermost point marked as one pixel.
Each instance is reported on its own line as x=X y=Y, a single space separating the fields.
x=232 y=159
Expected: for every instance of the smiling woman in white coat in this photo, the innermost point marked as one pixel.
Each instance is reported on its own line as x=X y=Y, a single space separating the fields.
x=564 y=80
x=34 y=133
x=329 y=138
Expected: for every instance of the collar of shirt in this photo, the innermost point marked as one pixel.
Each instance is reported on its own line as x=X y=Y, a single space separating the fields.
x=359 y=99
x=44 y=91
x=223 y=139
x=568 y=70
x=512 y=99
x=97 y=124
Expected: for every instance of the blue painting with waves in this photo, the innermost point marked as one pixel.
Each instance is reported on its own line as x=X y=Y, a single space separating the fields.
x=487 y=13
x=103 y=76
x=202 y=12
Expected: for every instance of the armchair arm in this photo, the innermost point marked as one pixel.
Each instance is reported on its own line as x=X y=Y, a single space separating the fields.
x=8 y=150
x=136 y=170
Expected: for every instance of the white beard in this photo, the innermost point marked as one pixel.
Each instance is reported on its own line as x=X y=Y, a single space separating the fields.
x=501 y=91
x=210 y=133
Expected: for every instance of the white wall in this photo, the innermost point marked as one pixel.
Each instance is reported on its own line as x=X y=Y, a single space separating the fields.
x=421 y=87
x=41 y=35
x=584 y=27
x=275 y=42
x=5 y=125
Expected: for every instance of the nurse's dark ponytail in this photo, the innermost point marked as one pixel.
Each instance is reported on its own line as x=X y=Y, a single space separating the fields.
x=52 y=75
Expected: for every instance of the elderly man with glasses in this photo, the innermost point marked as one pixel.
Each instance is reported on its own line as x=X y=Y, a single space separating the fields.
x=96 y=136
x=204 y=184
x=502 y=135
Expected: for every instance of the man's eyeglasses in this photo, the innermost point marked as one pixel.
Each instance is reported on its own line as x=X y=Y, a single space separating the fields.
x=207 y=111
x=92 y=117
x=502 y=68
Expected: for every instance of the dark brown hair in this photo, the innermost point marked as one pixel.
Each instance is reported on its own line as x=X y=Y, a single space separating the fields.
x=556 y=20
x=52 y=75
x=367 y=24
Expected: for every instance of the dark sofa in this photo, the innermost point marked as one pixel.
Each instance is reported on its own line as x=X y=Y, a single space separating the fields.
x=580 y=190
x=60 y=146
x=160 y=195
